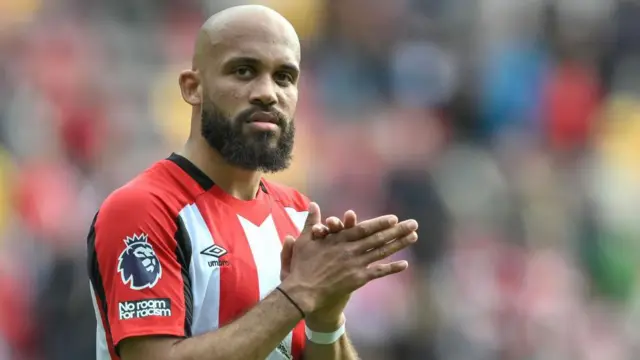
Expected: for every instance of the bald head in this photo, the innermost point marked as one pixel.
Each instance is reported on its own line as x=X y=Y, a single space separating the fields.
x=243 y=24
x=243 y=86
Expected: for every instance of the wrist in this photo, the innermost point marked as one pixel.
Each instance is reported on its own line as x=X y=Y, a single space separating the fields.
x=326 y=336
x=301 y=295
x=323 y=324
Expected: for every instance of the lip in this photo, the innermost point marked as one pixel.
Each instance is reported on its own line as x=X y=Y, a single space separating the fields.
x=263 y=117
x=263 y=126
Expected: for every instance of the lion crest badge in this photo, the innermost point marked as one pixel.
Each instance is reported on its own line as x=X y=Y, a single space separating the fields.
x=138 y=264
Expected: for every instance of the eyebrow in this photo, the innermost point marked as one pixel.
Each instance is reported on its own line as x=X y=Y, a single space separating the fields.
x=245 y=60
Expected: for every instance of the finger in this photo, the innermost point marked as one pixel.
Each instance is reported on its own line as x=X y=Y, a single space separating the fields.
x=382 y=237
x=319 y=231
x=350 y=219
x=369 y=227
x=378 y=271
x=287 y=248
x=389 y=248
x=334 y=224
x=313 y=218
x=286 y=255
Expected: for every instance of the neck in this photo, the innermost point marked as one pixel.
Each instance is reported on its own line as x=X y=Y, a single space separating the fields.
x=239 y=183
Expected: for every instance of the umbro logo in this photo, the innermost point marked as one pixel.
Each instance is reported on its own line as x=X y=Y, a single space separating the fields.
x=216 y=252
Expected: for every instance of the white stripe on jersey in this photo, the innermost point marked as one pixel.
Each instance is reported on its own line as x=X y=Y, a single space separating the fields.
x=298 y=217
x=205 y=280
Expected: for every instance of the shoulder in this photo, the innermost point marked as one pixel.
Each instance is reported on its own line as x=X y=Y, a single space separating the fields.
x=142 y=208
x=132 y=198
x=154 y=193
x=287 y=196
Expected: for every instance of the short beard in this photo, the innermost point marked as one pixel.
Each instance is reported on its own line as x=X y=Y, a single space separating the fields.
x=253 y=151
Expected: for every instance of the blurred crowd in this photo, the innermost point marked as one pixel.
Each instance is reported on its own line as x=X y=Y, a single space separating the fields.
x=509 y=129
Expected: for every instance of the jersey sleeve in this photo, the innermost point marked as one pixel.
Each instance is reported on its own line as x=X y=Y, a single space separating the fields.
x=138 y=270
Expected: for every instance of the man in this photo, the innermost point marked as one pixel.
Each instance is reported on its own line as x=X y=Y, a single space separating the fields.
x=195 y=258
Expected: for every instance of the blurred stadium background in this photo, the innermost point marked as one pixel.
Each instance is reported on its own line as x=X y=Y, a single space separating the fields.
x=509 y=129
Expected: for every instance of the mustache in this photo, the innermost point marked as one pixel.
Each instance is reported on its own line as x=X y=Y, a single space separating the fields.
x=245 y=115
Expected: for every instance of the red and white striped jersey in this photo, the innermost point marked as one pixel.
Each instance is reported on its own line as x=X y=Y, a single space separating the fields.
x=170 y=253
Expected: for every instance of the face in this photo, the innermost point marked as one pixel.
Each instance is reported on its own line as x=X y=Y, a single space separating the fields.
x=249 y=96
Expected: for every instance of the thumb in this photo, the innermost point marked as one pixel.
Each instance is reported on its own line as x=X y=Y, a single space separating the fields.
x=313 y=218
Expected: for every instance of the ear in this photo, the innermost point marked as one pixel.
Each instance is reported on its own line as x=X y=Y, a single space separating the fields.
x=190 y=87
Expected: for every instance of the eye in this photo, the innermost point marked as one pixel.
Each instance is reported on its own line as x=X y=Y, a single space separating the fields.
x=244 y=72
x=284 y=78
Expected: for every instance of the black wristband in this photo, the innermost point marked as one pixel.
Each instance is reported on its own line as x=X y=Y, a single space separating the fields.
x=291 y=300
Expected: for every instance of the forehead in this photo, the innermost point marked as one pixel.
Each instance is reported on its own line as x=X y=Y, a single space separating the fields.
x=267 y=42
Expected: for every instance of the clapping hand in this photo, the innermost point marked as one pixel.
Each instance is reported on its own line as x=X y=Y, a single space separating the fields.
x=378 y=238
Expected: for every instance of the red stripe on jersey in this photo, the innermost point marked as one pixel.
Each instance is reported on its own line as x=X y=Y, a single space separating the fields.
x=285 y=226
x=239 y=289
x=298 y=341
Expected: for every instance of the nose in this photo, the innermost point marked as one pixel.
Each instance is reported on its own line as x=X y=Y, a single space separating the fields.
x=263 y=92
